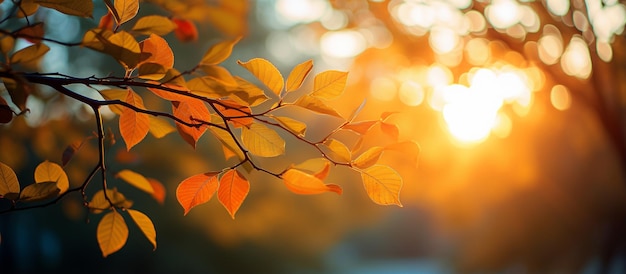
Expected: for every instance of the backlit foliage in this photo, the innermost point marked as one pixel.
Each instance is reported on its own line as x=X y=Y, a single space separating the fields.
x=205 y=99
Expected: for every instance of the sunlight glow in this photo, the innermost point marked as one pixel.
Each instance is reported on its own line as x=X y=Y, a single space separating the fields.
x=343 y=44
x=383 y=88
x=503 y=13
x=560 y=97
x=576 y=60
x=411 y=93
x=301 y=11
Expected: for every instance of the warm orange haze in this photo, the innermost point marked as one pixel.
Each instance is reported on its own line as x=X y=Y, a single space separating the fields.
x=290 y=136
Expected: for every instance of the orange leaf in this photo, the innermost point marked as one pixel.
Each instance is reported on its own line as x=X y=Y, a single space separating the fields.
x=106 y=21
x=382 y=184
x=196 y=190
x=188 y=111
x=159 y=50
x=266 y=72
x=32 y=33
x=297 y=75
x=236 y=110
x=329 y=84
x=134 y=126
x=360 y=127
x=171 y=96
x=186 y=30
x=159 y=190
x=390 y=129
x=126 y=10
x=300 y=182
x=112 y=233
x=233 y=190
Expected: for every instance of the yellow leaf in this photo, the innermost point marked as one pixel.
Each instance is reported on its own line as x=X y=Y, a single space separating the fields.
x=382 y=184
x=262 y=141
x=99 y=203
x=266 y=72
x=51 y=172
x=154 y=24
x=228 y=142
x=151 y=71
x=220 y=74
x=292 y=125
x=135 y=179
x=125 y=10
x=112 y=233
x=159 y=128
x=218 y=52
x=114 y=94
x=369 y=157
x=339 y=150
x=145 y=225
x=70 y=7
x=134 y=126
x=248 y=92
x=314 y=104
x=173 y=77
x=196 y=190
x=29 y=54
x=300 y=182
x=314 y=165
x=124 y=48
x=38 y=192
x=97 y=39
x=232 y=191
x=9 y=185
x=27 y=8
x=360 y=127
x=207 y=87
x=297 y=75
x=329 y=84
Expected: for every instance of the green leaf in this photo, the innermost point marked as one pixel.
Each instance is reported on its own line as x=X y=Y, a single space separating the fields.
x=382 y=184
x=112 y=233
x=262 y=141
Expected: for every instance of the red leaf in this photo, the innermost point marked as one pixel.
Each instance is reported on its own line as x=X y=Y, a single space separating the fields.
x=196 y=190
x=106 y=21
x=186 y=30
x=159 y=190
x=232 y=191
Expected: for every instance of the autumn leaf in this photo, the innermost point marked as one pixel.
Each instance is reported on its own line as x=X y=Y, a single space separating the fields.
x=111 y=233
x=228 y=143
x=292 y=125
x=297 y=75
x=219 y=52
x=6 y=114
x=382 y=184
x=27 y=8
x=300 y=182
x=69 y=152
x=186 y=30
x=262 y=141
x=9 y=184
x=390 y=129
x=51 y=172
x=248 y=92
x=153 y=24
x=124 y=48
x=125 y=10
x=188 y=111
x=159 y=190
x=360 y=127
x=145 y=225
x=70 y=7
x=159 y=128
x=106 y=21
x=134 y=126
x=135 y=179
x=232 y=109
x=329 y=84
x=369 y=157
x=19 y=90
x=266 y=72
x=32 y=33
x=99 y=203
x=196 y=190
x=7 y=42
x=171 y=96
x=159 y=51
x=220 y=75
x=319 y=167
x=29 y=54
x=232 y=191
x=409 y=148
x=339 y=150
x=316 y=105
x=115 y=94
x=39 y=191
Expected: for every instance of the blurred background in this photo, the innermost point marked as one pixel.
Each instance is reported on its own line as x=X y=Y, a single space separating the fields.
x=518 y=106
